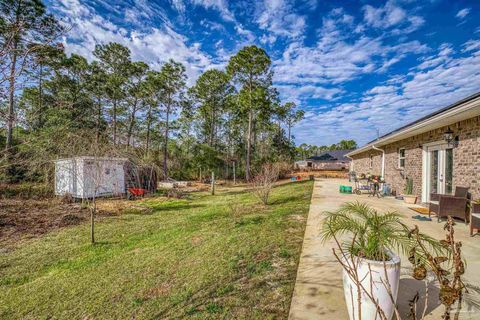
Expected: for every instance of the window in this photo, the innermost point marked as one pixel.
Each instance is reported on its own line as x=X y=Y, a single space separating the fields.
x=401 y=158
x=371 y=161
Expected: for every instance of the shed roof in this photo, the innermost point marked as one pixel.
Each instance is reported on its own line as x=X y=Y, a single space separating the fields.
x=93 y=158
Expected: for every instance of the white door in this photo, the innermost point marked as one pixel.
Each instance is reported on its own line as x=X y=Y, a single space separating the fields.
x=439 y=173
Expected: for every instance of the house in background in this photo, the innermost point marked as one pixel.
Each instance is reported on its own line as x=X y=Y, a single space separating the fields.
x=328 y=160
x=439 y=152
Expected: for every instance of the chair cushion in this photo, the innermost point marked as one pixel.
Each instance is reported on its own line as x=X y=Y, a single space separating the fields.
x=476 y=215
x=435 y=202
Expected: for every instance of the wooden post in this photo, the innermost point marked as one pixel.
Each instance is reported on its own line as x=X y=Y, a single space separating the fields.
x=213 y=183
x=234 y=178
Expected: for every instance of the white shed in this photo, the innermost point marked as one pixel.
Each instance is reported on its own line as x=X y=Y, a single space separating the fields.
x=84 y=177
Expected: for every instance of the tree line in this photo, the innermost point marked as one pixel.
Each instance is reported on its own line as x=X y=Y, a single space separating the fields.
x=56 y=105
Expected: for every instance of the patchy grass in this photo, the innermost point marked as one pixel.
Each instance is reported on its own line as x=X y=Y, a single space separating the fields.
x=187 y=258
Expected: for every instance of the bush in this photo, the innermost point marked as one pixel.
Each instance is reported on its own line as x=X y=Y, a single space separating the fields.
x=175 y=193
x=26 y=191
x=284 y=169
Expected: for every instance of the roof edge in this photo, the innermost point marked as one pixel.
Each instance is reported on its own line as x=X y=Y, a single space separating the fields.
x=451 y=109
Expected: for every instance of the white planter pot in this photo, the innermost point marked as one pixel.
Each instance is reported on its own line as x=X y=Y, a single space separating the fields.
x=373 y=276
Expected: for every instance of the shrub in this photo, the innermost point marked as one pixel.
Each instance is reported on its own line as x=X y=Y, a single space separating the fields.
x=409 y=186
x=26 y=191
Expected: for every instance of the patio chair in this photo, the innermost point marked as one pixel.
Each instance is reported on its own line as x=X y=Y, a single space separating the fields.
x=474 y=218
x=447 y=205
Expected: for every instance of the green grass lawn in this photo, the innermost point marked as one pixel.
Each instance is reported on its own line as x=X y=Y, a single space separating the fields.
x=223 y=256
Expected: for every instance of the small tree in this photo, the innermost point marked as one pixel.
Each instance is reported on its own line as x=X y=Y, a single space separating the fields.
x=264 y=180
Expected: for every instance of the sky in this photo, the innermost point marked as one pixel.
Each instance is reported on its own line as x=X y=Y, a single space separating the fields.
x=358 y=69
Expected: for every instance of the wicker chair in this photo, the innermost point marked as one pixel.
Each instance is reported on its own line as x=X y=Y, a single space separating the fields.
x=474 y=218
x=446 y=205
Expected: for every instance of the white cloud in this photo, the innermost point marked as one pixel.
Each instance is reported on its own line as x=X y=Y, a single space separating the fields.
x=219 y=5
x=299 y=94
x=277 y=17
x=391 y=16
x=405 y=99
x=340 y=55
x=462 y=13
x=154 y=46
x=444 y=55
x=471 y=45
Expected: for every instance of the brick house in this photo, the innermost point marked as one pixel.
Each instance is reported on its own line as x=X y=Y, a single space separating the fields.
x=439 y=152
x=328 y=160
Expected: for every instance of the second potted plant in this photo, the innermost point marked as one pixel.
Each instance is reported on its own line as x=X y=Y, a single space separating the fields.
x=408 y=196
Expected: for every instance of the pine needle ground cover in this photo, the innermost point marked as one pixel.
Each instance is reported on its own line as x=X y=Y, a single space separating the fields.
x=222 y=256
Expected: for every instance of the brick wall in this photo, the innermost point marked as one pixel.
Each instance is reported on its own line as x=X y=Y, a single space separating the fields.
x=466 y=158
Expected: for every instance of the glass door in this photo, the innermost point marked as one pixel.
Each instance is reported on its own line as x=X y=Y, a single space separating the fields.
x=434 y=171
x=440 y=170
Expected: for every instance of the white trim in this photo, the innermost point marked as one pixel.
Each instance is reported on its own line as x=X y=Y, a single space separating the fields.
x=426 y=148
x=402 y=158
x=424 y=173
x=383 y=160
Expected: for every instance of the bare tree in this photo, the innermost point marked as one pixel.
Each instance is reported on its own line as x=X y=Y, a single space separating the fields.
x=264 y=181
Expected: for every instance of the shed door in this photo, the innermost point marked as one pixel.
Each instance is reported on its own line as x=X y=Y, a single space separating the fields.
x=64 y=177
x=104 y=178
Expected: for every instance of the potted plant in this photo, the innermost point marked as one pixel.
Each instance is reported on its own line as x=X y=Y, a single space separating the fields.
x=371 y=268
x=408 y=196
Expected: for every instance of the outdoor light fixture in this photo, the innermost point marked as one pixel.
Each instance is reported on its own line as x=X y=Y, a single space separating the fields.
x=448 y=136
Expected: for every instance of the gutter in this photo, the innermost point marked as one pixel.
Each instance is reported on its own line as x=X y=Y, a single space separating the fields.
x=383 y=160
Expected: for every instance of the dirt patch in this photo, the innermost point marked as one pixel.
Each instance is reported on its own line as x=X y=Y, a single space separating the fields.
x=30 y=218
x=23 y=219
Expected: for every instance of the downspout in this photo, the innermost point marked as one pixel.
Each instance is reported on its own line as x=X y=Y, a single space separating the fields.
x=351 y=169
x=383 y=160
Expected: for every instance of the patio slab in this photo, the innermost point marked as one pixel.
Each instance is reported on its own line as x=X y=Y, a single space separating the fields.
x=318 y=290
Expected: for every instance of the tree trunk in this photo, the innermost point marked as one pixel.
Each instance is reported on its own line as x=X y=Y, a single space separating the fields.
x=11 y=101
x=234 y=177
x=40 y=97
x=132 y=122
x=92 y=221
x=114 y=121
x=249 y=146
x=165 y=147
x=213 y=183
x=249 y=131
x=149 y=124
x=99 y=119
x=289 y=131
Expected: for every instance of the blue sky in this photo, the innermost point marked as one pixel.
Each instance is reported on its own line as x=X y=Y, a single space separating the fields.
x=357 y=68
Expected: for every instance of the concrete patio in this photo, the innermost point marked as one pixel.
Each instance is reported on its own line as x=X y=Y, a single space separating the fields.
x=318 y=290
